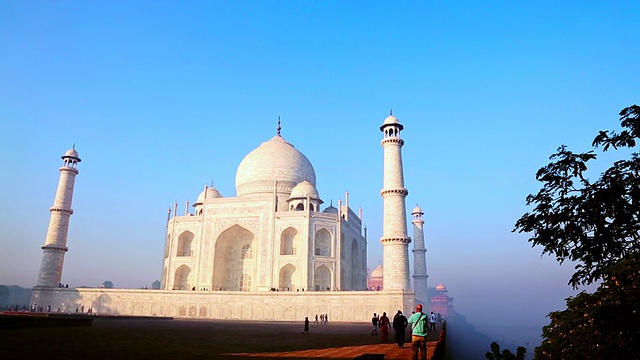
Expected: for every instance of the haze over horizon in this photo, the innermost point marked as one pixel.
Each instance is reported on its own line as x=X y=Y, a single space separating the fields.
x=163 y=98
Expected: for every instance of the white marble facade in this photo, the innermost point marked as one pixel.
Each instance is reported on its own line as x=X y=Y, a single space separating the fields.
x=272 y=236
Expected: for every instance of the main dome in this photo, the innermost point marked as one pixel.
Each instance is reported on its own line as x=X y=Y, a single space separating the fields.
x=274 y=160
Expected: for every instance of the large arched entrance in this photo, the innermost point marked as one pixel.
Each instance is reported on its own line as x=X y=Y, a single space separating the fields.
x=234 y=261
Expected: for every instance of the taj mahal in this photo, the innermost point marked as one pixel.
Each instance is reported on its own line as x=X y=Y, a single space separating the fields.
x=272 y=252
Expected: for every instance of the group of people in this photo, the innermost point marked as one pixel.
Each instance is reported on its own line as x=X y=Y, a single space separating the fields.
x=420 y=325
x=420 y=322
x=324 y=318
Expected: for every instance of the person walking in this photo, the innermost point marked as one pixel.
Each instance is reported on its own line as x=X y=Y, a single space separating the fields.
x=316 y=318
x=306 y=326
x=399 y=326
x=419 y=325
x=384 y=327
x=374 y=322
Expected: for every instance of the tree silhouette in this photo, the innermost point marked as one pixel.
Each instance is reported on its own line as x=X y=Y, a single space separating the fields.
x=597 y=225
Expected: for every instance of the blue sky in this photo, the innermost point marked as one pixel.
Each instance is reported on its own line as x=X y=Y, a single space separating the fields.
x=163 y=97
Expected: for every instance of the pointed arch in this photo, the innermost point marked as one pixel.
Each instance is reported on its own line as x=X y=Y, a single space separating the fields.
x=355 y=265
x=181 y=278
x=287 y=278
x=323 y=243
x=234 y=259
x=184 y=244
x=322 y=278
x=288 y=241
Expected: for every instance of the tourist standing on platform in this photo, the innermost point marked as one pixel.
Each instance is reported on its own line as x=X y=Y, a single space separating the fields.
x=419 y=325
x=384 y=327
x=400 y=326
x=306 y=326
x=374 y=322
x=432 y=322
x=316 y=318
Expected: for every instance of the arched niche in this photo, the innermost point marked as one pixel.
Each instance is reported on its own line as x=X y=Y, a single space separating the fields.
x=287 y=278
x=322 y=278
x=288 y=241
x=323 y=243
x=181 y=278
x=184 y=244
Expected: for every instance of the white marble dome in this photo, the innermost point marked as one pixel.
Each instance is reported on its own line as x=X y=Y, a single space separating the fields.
x=303 y=189
x=275 y=159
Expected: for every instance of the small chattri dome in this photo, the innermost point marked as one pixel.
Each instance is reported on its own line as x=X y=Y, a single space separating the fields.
x=71 y=153
x=417 y=210
x=304 y=189
x=208 y=193
x=391 y=121
x=377 y=272
x=441 y=287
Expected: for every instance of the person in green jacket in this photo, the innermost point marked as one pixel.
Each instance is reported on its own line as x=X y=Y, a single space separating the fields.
x=419 y=325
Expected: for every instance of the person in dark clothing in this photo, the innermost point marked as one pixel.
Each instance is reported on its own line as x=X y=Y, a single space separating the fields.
x=306 y=326
x=399 y=326
x=374 y=322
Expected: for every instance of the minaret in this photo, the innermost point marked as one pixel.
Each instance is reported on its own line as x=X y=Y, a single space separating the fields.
x=419 y=257
x=394 y=230
x=55 y=244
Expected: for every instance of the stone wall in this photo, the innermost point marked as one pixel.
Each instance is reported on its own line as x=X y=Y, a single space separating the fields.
x=268 y=306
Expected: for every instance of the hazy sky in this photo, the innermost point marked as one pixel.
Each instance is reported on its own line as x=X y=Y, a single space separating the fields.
x=163 y=97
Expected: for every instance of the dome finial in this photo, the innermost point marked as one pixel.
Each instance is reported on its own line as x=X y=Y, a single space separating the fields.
x=279 y=127
x=390 y=111
x=74 y=146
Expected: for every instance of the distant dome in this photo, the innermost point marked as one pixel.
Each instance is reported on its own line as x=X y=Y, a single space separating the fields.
x=274 y=160
x=417 y=210
x=72 y=153
x=304 y=189
x=331 y=210
x=377 y=272
x=209 y=193
x=441 y=287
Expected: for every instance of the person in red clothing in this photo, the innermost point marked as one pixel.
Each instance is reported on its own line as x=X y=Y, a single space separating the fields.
x=384 y=327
